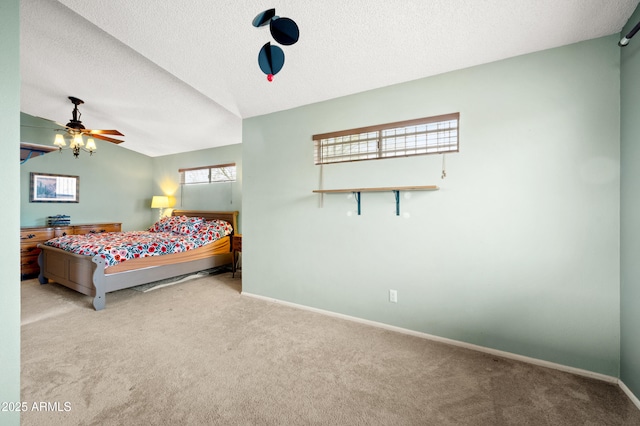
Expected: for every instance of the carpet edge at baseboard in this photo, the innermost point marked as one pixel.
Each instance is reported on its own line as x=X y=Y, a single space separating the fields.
x=629 y=394
x=503 y=354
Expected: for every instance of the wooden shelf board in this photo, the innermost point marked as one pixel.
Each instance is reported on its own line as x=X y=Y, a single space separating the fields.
x=391 y=188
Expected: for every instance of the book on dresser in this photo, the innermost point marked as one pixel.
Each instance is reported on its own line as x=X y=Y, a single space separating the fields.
x=31 y=236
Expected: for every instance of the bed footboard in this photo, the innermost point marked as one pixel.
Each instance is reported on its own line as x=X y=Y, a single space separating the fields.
x=71 y=270
x=81 y=273
x=87 y=274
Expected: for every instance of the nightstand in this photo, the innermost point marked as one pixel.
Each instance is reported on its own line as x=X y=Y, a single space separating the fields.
x=236 y=248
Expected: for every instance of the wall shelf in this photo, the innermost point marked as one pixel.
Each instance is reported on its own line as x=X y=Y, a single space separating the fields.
x=395 y=189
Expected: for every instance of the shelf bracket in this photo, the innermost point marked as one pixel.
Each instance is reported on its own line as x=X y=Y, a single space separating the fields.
x=395 y=189
x=396 y=193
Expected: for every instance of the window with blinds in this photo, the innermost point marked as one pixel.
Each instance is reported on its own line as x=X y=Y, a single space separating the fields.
x=208 y=174
x=429 y=135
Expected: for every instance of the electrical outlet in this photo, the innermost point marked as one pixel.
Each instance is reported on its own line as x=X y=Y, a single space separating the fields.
x=393 y=296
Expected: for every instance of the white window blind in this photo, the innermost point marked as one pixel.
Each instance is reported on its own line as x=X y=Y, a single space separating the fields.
x=208 y=174
x=429 y=135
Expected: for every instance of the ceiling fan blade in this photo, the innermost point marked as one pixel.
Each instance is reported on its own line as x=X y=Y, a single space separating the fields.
x=105 y=138
x=102 y=132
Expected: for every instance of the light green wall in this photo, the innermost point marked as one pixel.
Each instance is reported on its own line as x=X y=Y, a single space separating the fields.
x=218 y=196
x=518 y=251
x=630 y=214
x=115 y=183
x=9 y=192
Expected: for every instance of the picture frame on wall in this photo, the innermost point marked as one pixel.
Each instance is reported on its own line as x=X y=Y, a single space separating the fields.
x=50 y=188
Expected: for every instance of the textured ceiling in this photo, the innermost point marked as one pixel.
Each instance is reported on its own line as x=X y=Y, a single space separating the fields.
x=180 y=75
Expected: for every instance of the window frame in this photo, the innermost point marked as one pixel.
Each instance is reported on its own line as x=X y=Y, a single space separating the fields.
x=210 y=174
x=380 y=152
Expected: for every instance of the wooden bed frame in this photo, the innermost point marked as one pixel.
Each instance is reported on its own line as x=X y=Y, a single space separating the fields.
x=88 y=275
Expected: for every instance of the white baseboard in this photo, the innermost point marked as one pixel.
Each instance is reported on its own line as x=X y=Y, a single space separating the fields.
x=577 y=371
x=503 y=354
x=630 y=394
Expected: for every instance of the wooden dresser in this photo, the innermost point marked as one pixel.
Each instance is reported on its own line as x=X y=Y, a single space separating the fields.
x=30 y=237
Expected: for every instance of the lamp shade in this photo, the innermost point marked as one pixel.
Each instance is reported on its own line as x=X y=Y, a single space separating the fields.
x=91 y=145
x=77 y=141
x=159 y=202
x=59 y=141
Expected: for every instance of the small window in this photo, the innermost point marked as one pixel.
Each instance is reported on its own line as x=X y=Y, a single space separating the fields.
x=430 y=135
x=209 y=174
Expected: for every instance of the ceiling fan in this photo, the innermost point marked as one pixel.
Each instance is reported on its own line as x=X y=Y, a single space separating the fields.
x=75 y=129
x=75 y=126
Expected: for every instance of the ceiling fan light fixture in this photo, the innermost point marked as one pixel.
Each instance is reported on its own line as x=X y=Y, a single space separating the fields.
x=77 y=141
x=74 y=130
x=91 y=145
x=59 y=141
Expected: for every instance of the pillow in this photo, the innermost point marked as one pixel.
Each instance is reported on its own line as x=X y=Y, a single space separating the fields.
x=214 y=230
x=161 y=225
x=179 y=225
x=187 y=225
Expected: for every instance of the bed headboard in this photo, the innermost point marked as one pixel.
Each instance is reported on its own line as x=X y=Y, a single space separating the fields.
x=230 y=216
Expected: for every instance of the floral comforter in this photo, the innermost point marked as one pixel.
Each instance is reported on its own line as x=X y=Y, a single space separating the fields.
x=117 y=247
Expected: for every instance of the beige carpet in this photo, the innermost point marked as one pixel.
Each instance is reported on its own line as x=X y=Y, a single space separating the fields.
x=199 y=353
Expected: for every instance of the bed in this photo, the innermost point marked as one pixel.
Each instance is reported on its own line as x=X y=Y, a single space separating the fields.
x=92 y=275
